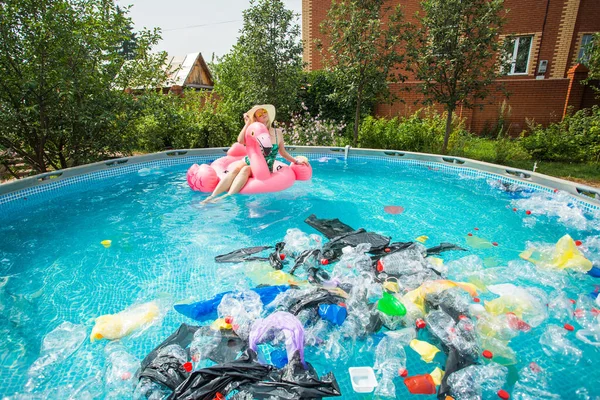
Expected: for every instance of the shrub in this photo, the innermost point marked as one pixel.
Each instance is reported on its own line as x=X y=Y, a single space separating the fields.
x=193 y=120
x=575 y=139
x=421 y=132
x=308 y=130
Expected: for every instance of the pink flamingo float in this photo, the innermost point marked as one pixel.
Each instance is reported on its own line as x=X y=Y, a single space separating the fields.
x=204 y=178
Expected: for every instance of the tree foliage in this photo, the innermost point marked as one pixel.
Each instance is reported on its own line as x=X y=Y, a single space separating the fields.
x=593 y=61
x=189 y=121
x=362 y=49
x=265 y=64
x=61 y=68
x=453 y=49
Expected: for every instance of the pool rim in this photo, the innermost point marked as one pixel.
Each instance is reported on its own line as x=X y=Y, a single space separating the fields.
x=589 y=196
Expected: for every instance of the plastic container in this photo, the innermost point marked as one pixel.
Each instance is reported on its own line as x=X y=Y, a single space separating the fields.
x=420 y=384
x=363 y=379
x=333 y=313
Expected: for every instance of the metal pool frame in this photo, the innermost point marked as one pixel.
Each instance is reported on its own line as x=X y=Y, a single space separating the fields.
x=587 y=197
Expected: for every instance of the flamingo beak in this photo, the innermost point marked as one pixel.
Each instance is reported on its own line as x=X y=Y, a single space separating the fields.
x=264 y=141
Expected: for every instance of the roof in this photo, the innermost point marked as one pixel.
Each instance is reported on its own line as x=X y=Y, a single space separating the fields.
x=189 y=70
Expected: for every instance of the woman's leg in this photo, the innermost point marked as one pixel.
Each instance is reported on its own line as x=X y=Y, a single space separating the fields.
x=225 y=184
x=239 y=182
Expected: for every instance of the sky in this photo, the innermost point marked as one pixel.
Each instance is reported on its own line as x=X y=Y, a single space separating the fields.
x=188 y=26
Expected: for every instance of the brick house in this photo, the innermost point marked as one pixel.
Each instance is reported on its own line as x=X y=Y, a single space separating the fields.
x=550 y=35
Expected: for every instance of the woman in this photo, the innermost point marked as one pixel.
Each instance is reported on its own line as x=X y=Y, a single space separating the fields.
x=240 y=172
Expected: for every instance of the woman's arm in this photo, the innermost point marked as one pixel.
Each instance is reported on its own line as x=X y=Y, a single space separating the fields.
x=283 y=151
x=242 y=136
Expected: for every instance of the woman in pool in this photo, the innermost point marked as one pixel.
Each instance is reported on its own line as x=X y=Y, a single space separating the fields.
x=240 y=172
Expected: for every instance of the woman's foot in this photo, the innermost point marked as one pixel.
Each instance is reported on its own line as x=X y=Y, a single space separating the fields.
x=217 y=199
x=207 y=200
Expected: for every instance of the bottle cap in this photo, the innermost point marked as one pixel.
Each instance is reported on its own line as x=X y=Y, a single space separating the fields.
x=188 y=366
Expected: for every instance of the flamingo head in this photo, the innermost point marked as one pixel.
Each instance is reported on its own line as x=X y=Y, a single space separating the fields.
x=260 y=133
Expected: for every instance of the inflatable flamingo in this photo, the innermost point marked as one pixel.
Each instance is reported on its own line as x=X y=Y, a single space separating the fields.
x=204 y=178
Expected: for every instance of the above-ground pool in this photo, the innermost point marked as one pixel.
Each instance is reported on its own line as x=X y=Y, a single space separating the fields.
x=56 y=267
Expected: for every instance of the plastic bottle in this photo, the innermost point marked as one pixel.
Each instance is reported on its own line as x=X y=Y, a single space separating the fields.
x=390 y=357
x=476 y=381
x=333 y=313
x=390 y=305
x=406 y=262
x=269 y=354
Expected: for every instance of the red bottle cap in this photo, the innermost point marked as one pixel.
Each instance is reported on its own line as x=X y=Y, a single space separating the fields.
x=487 y=354
x=228 y=319
x=569 y=327
x=324 y=261
x=379 y=266
x=282 y=256
x=420 y=323
x=578 y=243
x=470 y=234
x=503 y=394
x=572 y=301
x=528 y=212
x=476 y=299
x=403 y=372
x=514 y=209
x=387 y=249
x=495 y=243
x=461 y=317
x=342 y=305
x=476 y=229
x=188 y=366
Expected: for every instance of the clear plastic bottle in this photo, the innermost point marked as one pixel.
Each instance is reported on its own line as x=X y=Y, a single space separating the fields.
x=390 y=358
x=476 y=381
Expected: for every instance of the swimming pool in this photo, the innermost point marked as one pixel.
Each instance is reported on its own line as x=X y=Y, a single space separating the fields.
x=54 y=269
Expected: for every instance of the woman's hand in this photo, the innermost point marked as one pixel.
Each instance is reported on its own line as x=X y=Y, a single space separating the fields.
x=300 y=160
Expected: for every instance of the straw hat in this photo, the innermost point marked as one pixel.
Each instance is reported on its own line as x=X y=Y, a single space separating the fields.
x=270 y=111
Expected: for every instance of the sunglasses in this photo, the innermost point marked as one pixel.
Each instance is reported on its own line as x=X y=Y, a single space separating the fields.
x=260 y=113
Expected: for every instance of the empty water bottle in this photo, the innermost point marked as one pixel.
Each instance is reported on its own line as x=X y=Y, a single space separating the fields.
x=477 y=381
x=390 y=358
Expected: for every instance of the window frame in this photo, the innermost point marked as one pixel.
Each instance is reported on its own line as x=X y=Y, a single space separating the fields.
x=582 y=47
x=513 y=57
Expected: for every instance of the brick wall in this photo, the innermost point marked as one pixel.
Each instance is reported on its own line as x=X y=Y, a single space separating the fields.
x=539 y=100
x=557 y=27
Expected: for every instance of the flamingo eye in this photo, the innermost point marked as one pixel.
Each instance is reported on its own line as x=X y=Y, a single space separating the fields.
x=252 y=133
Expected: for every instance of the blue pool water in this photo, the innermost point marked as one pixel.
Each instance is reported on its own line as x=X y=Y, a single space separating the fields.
x=53 y=268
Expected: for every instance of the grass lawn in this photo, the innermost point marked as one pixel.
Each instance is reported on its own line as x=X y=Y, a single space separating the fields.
x=485 y=150
x=588 y=174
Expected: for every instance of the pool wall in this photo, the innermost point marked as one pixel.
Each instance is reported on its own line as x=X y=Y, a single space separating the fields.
x=15 y=194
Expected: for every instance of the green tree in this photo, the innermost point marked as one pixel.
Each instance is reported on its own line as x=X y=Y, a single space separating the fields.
x=363 y=40
x=60 y=103
x=129 y=45
x=453 y=50
x=592 y=61
x=265 y=64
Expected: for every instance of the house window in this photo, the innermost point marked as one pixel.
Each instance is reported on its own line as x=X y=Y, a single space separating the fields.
x=585 y=48
x=517 y=50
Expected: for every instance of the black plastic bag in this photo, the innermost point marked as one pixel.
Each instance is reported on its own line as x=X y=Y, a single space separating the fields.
x=242 y=255
x=329 y=227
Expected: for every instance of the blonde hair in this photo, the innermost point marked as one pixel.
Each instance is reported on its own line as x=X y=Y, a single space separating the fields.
x=253 y=119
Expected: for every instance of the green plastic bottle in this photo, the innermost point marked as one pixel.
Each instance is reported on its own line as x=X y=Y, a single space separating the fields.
x=390 y=305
